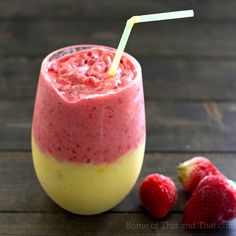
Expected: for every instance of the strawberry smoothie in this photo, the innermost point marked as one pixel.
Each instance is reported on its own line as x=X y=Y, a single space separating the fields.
x=88 y=132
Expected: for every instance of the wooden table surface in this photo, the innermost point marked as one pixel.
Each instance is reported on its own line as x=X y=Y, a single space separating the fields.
x=189 y=72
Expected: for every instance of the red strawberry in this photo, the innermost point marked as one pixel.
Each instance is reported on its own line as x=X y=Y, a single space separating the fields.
x=158 y=194
x=212 y=203
x=192 y=171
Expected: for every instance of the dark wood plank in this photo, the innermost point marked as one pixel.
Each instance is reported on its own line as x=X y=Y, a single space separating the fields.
x=105 y=224
x=21 y=192
x=15 y=123
x=164 y=79
x=189 y=79
x=190 y=126
x=19 y=76
x=184 y=38
x=171 y=126
x=92 y=9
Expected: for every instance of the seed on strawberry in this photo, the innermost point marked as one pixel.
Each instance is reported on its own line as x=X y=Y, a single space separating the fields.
x=213 y=202
x=158 y=194
x=192 y=171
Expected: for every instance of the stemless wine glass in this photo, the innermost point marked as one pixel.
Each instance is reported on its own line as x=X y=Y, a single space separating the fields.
x=88 y=152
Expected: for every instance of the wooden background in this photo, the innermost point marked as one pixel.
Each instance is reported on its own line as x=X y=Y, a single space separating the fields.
x=189 y=72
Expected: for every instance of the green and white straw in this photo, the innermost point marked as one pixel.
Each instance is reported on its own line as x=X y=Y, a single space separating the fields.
x=139 y=19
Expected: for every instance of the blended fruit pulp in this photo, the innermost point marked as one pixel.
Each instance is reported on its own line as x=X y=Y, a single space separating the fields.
x=88 y=134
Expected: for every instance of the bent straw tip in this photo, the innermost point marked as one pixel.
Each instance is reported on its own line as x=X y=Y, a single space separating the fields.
x=131 y=21
x=191 y=13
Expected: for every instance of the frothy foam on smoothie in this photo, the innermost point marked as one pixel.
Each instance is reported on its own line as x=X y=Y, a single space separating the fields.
x=84 y=73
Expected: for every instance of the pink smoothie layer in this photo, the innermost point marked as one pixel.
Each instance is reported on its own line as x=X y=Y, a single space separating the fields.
x=83 y=116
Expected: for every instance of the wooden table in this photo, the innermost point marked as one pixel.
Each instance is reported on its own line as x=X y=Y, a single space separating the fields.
x=189 y=71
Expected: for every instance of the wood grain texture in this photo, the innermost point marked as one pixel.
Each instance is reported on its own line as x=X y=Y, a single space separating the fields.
x=171 y=126
x=115 y=9
x=21 y=192
x=182 y=38
x=164 y=79
x=104 y=224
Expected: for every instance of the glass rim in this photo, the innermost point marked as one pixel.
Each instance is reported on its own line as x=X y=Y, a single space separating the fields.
x=66 y=51
x=46 y=60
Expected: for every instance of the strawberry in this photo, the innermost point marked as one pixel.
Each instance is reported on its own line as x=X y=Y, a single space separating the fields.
x=192 y=171
x=158 y=194
x=212 y=203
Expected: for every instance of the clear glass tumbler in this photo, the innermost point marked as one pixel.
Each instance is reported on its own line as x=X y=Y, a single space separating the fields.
x=88 y=152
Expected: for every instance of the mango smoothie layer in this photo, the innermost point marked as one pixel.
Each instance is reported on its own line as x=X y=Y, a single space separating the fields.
x=88 y=129
x=86 y=188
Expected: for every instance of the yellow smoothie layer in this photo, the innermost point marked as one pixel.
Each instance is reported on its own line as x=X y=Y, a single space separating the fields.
x=87 y=188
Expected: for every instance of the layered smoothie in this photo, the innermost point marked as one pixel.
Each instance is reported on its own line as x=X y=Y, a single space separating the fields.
x=88 y=134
